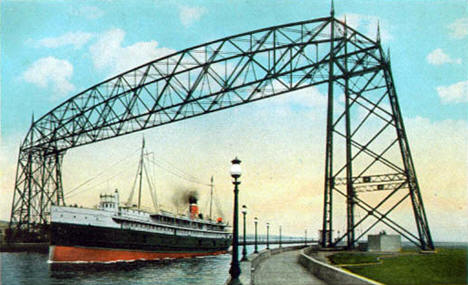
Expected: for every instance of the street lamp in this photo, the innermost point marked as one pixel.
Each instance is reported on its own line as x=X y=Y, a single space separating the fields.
x=244 y=249
x=235 y=269
x=305 y=237
x=280 y=238
x=268 y=236
x=256 y=245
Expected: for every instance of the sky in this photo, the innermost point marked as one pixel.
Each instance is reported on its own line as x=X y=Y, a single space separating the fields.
x=51 y=50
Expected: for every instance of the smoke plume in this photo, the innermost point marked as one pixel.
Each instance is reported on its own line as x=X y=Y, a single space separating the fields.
x=183 y=196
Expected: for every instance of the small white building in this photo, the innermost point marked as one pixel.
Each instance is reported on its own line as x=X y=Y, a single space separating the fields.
x=384 y=242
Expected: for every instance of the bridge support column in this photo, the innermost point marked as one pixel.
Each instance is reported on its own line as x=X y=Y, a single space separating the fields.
x=38 y=186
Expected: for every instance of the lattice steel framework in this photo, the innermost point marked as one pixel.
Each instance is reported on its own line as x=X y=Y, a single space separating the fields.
x=210 y=77
x=376 y=156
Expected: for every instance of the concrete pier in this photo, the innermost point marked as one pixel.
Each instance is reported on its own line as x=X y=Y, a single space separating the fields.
x=295 y=265
x=276 y=266
x=283 y=268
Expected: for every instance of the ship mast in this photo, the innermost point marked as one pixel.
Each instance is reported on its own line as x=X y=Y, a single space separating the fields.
x=211 y=197
x=141 y=172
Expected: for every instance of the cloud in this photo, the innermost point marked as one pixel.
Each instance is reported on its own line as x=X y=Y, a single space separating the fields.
x=455 y=93
x=51 y=72
x=367 y=25
x=76 y=39
x=459 y=28
x=107 y=53
x=189 y=15
x=309 y=98
x=438 y=57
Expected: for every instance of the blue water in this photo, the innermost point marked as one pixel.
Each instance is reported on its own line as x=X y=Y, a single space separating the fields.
x=32 y=268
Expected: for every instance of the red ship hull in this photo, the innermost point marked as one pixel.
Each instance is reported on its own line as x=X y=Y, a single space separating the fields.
x=86 y=254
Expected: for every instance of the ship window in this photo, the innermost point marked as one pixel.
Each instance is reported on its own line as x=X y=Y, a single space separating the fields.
x=61 y=216
x=74 y=216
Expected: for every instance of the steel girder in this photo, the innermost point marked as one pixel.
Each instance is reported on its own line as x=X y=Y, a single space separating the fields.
x=206 y=78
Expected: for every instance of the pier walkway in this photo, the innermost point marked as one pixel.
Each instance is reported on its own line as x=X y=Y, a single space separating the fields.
x=283 y=268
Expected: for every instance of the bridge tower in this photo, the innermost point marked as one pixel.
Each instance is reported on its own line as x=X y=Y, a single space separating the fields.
x=368 y=160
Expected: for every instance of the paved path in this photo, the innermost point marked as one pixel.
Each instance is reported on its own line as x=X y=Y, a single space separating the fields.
x=284 y=269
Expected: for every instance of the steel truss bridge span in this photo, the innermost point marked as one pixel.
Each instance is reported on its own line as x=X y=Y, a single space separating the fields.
x=226 y=73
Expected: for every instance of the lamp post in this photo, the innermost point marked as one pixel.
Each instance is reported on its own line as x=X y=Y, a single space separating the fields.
x=235 y=268
x=305 y=236
x=256 y=245
x=280 y=237
x=244 y=249
x=268 y=235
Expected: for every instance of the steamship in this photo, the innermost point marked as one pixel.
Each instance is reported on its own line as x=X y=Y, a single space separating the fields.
x=113 y=233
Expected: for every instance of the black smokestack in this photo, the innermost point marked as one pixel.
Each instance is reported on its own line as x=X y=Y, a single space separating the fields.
x=192 y=199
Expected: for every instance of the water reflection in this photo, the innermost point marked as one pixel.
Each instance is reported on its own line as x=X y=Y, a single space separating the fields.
x=28 y=268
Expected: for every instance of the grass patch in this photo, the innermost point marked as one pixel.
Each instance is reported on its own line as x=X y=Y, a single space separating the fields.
x=447 y=266
x=353 y=258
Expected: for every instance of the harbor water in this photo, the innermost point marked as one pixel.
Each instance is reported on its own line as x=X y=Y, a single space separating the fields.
x=33 y=268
